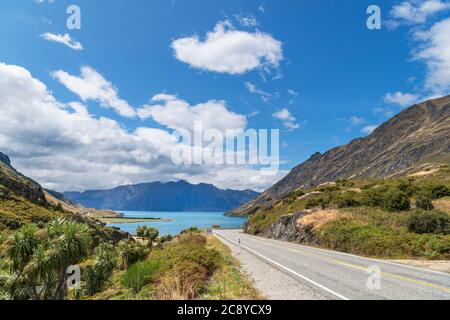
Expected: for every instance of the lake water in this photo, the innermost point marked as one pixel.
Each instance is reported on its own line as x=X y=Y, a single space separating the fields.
x=180 y=221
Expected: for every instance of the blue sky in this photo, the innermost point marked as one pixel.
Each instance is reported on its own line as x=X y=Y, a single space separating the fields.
x=324 y=78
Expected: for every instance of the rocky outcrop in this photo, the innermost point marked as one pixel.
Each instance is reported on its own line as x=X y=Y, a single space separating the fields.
x=417 y=135
x=287 y=228
x=5 y=159
x=18 y=183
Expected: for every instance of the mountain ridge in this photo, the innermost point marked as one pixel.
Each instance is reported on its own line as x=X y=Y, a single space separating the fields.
x=158 y=196
x=416 y=135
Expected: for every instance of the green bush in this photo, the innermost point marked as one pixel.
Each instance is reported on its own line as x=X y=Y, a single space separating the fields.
x=316 y=202
x=424 y=201
x=436 y=222
x=407 y=187
x=191 y=229
x=140 y=274
x=346 y=200
x=396 y=200
x=373 y=197
x=437 y=191
x=355 y=237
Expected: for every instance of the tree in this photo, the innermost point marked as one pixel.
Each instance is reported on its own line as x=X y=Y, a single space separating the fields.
x=38 y=259
x=129 y=252
x=149 y=233
x=99 y=274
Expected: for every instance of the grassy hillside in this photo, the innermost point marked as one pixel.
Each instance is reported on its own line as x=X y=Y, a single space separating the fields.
x=399 y=217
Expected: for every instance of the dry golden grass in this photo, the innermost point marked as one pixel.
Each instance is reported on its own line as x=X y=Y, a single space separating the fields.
x=319 y=218
x=442 y=204
x=424 y=173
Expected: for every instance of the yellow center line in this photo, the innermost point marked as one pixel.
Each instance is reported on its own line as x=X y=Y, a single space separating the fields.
x=359 y=267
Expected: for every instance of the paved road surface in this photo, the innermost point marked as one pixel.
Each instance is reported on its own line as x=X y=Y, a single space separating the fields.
x=343 y=276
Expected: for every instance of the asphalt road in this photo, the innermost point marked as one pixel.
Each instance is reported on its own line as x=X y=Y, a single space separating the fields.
x=344 y=276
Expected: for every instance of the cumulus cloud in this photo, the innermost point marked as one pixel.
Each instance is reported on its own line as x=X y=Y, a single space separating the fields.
x=400 y=98
x=288 y=120
x=177 y=114
x=434 y=51
x=417 y=11
x=227 y=50
x=64 y=147
x=65 y=39
x=91 y=85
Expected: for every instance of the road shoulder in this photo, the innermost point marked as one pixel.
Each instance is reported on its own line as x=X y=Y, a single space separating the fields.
x=272 y=283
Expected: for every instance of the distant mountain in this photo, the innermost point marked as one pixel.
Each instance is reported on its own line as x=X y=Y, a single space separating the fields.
x=418 y=135
x=173 y=196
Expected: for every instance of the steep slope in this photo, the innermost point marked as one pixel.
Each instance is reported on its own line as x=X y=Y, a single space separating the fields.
x=24 y=201
x=157 y=196
x=11 y=179
x=417 y=135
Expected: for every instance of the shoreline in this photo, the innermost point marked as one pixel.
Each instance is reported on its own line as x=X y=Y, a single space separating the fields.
x=123 y=220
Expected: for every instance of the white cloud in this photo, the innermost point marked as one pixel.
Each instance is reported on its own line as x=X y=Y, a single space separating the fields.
x=265 y=96
x=357 y=120
x=370 y=129
x=292 y=92
x=91 y=85
x=227 y=50
x=417 y=11
x=435 y=52
x=64 y=147
x=177 y=114
x=400 y=98
x=65 y=39
x=247 y=21
x=43 y=1
x=289 y=121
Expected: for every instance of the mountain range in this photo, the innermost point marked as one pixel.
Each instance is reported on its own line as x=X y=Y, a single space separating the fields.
x=178 y=196
x=416 y=136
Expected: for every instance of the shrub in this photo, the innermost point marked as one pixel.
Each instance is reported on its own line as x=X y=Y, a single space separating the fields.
x=129 y=252
x=424 y=201
x=346 y=200
x=191 y=229
x=407 y=187
x=436 y=222
x=373 y=197
x=355 y=237
x=396 y=200
x=165 y=238
x=186 y=282
x=140 y=274
x=321 y=202
x=298 y=193
x=437 y=191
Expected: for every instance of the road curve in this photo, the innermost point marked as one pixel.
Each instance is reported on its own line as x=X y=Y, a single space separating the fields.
x=344 y=276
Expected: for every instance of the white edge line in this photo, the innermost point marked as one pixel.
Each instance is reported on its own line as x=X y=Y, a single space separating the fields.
x=353 y=256
x=287 y=269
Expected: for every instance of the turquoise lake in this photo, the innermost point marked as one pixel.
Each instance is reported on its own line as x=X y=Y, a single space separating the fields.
x=180 y=221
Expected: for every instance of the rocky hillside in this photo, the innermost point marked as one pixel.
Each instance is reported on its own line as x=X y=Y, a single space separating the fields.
x=173 y=196
x=419 y=134
x=18 y=183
